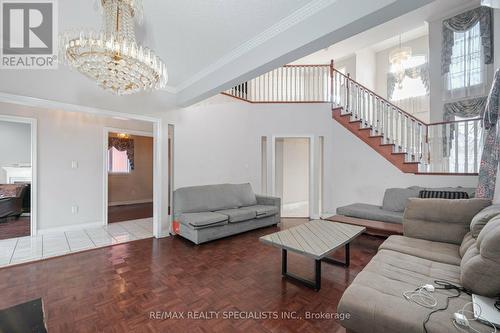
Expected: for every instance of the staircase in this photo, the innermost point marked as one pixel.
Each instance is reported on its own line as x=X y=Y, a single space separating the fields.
x=387 y=150
x=408 y=143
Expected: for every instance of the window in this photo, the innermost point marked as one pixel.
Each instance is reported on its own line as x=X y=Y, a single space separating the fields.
x=118 y=161
x=466 y=64
x=465 y=142
x=409 y=87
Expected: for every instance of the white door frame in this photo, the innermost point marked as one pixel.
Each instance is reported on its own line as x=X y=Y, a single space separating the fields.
x=312 y=174
x=34 y=161
x=156 y=166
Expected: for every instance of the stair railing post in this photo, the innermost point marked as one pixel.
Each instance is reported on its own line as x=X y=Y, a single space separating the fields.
x=348 y=99
x=331 y=83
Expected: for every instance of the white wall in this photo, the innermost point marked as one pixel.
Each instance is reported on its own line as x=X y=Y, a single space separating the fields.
x=64 y=137
x=349 y=64
x=15 y=143
x=366 y=68
x=219 y=141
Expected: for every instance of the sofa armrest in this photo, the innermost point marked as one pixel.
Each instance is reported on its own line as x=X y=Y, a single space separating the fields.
x=271 y=201
x=441 y=220
x=268 y=200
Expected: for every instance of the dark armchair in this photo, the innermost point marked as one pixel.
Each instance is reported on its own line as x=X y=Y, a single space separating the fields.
x=11 y=199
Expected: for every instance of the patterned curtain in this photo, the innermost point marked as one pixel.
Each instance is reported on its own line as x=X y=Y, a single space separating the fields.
x=123 y=144
x=491 y=150
x=421 y=72
x=470 y=108
x=464 y=22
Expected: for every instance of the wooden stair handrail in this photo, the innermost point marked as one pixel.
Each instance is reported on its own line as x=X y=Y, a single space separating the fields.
x=398 y=108
x=347 y=77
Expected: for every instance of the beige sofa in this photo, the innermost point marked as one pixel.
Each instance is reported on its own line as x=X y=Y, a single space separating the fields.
x=453 y=240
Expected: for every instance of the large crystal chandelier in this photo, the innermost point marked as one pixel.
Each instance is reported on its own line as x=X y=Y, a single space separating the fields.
x=397 y=58
x=112 y=57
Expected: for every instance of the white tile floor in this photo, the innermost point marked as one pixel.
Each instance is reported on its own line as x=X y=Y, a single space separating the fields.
x=23 y=249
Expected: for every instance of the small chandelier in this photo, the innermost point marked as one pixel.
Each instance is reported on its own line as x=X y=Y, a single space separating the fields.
x=397 y=59
x=112 y=57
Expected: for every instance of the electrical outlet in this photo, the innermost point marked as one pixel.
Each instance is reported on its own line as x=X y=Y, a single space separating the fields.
x=74 y=164
x=74 y=209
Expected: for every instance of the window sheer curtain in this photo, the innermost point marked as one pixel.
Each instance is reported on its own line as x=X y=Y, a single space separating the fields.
x=467 y=54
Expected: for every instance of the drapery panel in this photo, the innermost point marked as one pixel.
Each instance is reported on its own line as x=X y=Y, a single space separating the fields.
x=491 y=150
x=464 y=22
x=123 y=144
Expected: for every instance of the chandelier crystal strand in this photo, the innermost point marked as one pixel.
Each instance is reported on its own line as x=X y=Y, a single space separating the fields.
x=112 y=57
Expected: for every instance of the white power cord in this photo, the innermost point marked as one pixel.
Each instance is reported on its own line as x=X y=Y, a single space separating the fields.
x=422 y=296
x=463 y=323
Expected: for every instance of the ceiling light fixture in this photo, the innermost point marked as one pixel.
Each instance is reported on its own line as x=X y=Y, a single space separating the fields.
x=397 y=59
x=112 y=57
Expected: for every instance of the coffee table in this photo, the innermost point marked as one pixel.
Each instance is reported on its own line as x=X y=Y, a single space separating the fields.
x=315 y=239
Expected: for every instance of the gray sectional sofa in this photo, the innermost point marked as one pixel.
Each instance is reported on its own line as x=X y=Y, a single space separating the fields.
x=394 y=204
x=453 y=240
x=210 y=212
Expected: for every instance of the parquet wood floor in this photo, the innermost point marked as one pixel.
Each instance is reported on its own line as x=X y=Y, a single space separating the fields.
x=114 y=289
x=129 y=212
x=10 y=227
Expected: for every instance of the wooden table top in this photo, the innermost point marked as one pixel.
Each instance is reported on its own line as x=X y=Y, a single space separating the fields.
x=316 y=239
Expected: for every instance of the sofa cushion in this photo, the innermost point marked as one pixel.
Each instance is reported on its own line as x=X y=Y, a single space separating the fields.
x=202 y=220
x=262 y=210
x=244 y=194
x=396 y=199
x=436 y=251
x=441 y=220
x=375 y=302
x=467 y=242
x=197 y=199
x=238 y=214
x=480 y=266
x=481 y=218
x=370 y=212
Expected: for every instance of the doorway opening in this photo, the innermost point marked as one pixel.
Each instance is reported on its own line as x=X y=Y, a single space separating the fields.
x=292 y=158
x=17 y=177
x=130 y=160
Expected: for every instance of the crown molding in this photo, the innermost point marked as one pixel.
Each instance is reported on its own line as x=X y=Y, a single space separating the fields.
x=170 y=89
x=284 y=24
x=50 y=104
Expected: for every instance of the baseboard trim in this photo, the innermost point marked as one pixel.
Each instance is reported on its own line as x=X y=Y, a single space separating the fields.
x=130 y=202
x=65 y=228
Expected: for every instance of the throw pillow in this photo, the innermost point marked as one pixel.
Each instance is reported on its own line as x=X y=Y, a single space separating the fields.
x=428 y=194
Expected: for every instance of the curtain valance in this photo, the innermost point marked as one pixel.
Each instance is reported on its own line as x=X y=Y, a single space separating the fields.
x=464 y=22
x=123 y=144
x=469 y=108
x=421 y=72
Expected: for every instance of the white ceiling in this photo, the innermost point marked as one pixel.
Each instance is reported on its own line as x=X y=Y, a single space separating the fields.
x=409 y=26
x=207 y=45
